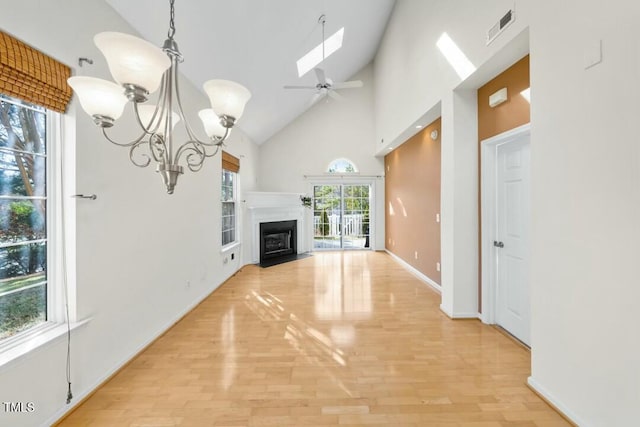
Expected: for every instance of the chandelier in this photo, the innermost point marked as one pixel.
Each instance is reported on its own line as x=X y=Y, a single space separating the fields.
x=140 y=68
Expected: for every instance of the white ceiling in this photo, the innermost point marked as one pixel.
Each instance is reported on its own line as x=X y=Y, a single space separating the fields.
x=257 y=44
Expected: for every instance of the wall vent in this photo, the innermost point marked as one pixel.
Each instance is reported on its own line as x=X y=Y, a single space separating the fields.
x=500 y=26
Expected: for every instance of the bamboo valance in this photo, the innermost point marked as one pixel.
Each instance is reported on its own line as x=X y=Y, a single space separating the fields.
x=230 y=162
x=32 y=76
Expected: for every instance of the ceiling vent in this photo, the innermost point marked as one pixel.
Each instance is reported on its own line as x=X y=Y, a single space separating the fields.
x=500 y=26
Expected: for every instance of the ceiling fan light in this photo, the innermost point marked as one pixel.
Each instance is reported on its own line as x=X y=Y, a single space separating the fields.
x=211 y=123
x=133 y=60
x=99 y=97
x=227 y=98
x=146 y=114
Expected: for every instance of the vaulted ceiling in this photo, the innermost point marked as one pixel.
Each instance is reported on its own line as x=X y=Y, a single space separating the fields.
x=257 y=44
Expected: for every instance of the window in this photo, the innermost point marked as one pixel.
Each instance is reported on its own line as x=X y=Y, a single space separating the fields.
x=33 y=90
x=342 y=166
x=341 y=217
x=24 y=237
x=230 y=169
x=228 y=207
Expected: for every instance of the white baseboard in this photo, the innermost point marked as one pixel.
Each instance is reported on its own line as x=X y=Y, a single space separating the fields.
x=445 y=311
x=79 y=397
x=561 y=407
x=462 y=315
x=436 y=287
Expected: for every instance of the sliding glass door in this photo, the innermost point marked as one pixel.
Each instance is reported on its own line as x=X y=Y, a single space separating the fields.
x=341 y=216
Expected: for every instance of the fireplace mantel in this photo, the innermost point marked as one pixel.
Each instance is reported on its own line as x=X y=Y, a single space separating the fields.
x=271 y=207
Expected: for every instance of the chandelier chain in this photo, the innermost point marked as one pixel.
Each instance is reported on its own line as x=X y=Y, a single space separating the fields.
x=172 y=23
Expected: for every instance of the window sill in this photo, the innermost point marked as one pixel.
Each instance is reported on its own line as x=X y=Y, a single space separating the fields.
x=228 y=248
x=34 y=342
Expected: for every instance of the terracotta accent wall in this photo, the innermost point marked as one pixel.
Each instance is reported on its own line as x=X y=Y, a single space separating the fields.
x=412 y=200
x=493 y=121
x=510 y=114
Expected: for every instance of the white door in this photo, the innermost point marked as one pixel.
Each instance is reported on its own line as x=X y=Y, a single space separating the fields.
x=511 y=244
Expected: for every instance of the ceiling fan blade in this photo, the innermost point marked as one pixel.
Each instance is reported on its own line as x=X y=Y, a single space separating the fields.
x=322 y=79
x=298 y=87
x=348 y=85
x=335 y=95
x=316 y=97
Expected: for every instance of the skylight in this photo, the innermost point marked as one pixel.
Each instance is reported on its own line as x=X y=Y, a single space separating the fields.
x=455 y=56
x=314 y=57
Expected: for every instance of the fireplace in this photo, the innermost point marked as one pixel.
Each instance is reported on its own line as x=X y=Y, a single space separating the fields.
x=278 y=242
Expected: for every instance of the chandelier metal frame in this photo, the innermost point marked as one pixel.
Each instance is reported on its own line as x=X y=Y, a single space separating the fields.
x=157 y=131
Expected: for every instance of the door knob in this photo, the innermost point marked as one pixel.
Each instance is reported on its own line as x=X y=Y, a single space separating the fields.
x=498 y=244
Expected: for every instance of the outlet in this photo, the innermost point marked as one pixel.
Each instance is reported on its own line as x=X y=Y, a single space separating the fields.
x=437 y=266
x=437 y=217
x=416 y=255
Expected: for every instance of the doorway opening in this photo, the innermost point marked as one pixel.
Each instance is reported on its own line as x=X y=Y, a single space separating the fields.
x=341 y=216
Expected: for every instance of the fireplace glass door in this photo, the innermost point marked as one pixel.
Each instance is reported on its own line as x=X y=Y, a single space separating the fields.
x=341 y=216
x=278 y=240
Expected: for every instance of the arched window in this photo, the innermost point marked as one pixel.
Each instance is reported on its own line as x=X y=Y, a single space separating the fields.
x=342 y=166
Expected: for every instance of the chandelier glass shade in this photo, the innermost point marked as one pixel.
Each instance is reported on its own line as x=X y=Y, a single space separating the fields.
x=140 y=69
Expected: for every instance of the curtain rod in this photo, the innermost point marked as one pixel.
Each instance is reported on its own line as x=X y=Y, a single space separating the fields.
x=342 y=176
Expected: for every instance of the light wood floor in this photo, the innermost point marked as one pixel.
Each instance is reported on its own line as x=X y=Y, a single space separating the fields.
x=335 y=339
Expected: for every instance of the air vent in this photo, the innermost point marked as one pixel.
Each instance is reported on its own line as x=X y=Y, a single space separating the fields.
x=500 y=26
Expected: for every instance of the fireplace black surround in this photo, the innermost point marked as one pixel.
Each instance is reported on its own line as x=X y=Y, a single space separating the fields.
x=278 y=242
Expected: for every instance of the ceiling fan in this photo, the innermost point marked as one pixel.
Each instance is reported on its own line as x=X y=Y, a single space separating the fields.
x=325 y=86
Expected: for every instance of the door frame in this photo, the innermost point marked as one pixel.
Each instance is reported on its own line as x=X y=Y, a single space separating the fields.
x=345 y=180
x=488 y=212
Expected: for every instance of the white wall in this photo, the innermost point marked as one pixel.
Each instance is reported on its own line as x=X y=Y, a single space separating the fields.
x=459 y=205
x=143 y=257
x=586 y=209
x=412 y=80
x=585 y=177
x=411 y=73
x=327 y=131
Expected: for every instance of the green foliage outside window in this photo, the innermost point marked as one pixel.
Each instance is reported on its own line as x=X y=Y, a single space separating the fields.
x=23 y=203
x=324 y=223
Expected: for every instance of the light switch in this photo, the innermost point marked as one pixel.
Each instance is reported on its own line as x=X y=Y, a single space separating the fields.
x=592 y=54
